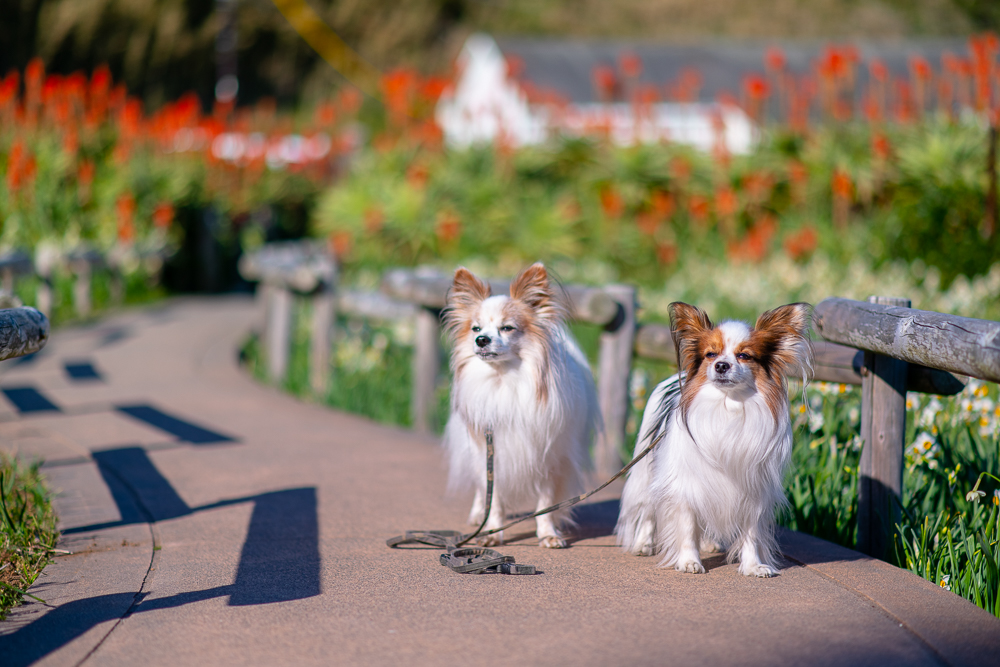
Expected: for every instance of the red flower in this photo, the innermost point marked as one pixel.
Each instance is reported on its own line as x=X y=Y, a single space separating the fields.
x=630 y=64
x=666 y=252
x=921 y=68
x=648 y=222
x=417 y=175
x=163 y=215
x=841 y=184
x=515 y=66
x=662 y=204
x=34 y=73
x=774 y=58
x=756 y=87
x=880 y=146
x=698 y=208
x=340 y=243
x=878 y=70
x=448 y=227
x=611 y=202
x=605 y=82
x=802 y=243
x=126 y=212
x=726 y=203
x=755 y=244
x=85 y=173
x=326 y=115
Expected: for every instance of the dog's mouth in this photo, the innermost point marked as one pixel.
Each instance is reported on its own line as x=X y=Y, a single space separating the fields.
x=487 y=355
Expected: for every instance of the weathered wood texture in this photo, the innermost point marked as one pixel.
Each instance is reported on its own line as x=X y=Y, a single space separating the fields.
x=430 y=288
x=614 y=366
x=374 y=305
x=832 y=362
x=946 y=342
x=22 y=331
x=301 y=266
x=279 y=327
x=321 y=340
x=883 y=434
x=426 y=365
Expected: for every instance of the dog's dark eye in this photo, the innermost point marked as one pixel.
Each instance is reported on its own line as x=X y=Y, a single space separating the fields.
x=711 y=355
x=476 y=329
x=743 y=356
x=506 y=328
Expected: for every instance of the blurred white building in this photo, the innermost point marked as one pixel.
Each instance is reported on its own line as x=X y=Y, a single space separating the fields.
x=487 y=103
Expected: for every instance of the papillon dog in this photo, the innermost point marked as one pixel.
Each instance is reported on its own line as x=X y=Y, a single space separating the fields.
x=714 y=479
x=517 y=371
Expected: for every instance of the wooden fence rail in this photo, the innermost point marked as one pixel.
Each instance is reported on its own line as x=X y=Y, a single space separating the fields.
x=883 y=345
x=81 y=262
x=22 y=331
x=896 y=340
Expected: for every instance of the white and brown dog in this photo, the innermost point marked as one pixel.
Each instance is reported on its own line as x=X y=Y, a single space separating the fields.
x=518 y=371
x=715 y=478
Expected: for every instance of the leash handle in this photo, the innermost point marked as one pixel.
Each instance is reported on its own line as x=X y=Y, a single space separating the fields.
x=452 y=539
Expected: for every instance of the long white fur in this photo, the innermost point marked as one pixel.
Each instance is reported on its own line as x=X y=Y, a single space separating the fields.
x=542 y=447
x=715 y=481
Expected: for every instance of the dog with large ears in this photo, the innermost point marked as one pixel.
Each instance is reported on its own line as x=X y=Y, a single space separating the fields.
x=725 y=440
x=517 y=371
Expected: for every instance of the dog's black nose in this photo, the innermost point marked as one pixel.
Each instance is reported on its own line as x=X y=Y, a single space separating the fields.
x=482 y=341
x=721 y=367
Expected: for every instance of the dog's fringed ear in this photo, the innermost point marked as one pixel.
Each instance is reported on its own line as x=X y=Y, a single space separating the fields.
x=466 y=289
x=786 y=328
x=465 y=293
x=532 y=287
x=686 y=323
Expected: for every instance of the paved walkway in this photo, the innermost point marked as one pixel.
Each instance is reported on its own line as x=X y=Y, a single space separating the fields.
x=215 y=521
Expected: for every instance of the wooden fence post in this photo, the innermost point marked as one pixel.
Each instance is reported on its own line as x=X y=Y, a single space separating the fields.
x=323 y=328
x=426 y=363
x=81 y=287
x=43 y=295
x=279 y=324
x=614 y=366
x=883 y=431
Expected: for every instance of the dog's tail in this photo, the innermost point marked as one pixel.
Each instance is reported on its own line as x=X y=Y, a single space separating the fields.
x=636 y=531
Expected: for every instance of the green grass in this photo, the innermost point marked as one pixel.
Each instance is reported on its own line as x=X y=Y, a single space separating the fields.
x=27 y=529
x=947 y=534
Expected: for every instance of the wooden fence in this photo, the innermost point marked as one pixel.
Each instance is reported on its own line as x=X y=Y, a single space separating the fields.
x=81 y=262
x=884 y=346
x=22 y=331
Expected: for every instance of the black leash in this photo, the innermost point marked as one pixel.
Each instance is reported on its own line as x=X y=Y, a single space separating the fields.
x=478 y=560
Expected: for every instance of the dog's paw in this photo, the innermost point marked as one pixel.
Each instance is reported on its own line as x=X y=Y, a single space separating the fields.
x=494 y=540
x=646 y=550
x=692 y=566
x=552 y=542
x=758 y=570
